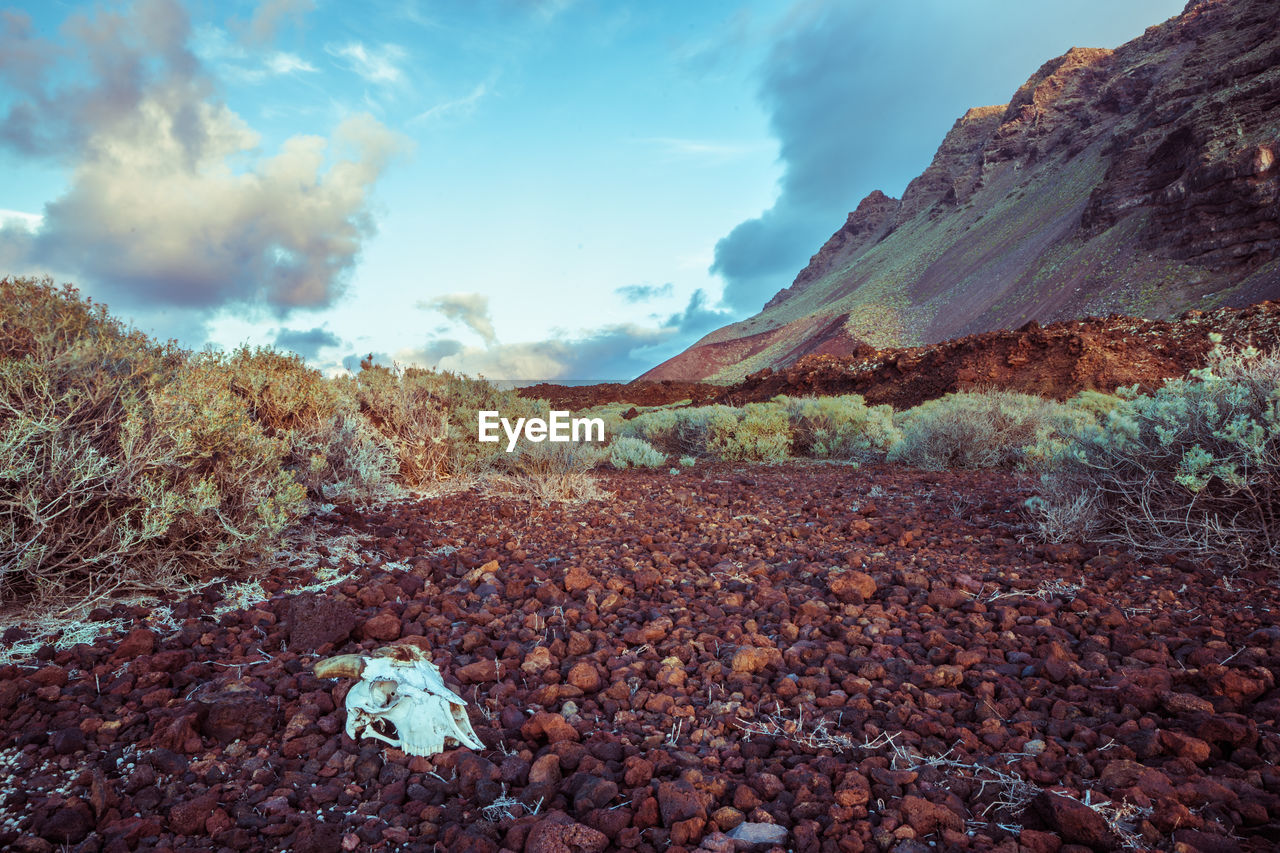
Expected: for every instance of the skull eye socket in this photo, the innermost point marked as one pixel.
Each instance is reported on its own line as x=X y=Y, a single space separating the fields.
x=384 y=691
x=385 y=727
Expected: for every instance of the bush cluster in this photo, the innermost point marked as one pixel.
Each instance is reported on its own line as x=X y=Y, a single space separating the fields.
x=843 y=427
x=822 y=428
x=127 y=463
x=985 y=429
x=1193 y=467
x=626 y=451
x=122 y=462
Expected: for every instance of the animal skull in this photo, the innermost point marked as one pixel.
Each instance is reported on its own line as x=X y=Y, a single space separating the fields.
x=402 y=700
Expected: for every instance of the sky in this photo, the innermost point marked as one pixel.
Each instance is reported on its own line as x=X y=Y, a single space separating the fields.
x=515 y=189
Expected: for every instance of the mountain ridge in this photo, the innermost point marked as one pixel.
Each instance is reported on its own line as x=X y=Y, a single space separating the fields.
x=1140 y=180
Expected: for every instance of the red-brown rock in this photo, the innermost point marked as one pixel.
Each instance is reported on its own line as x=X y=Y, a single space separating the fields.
x=559 y=833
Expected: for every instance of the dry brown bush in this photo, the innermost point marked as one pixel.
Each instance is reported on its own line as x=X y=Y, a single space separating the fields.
x=123 y=463
x=559 y=471
x=332 y=451
x=430 y=418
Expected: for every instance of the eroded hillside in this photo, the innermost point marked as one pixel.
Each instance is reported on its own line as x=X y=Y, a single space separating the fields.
x=1139 y=181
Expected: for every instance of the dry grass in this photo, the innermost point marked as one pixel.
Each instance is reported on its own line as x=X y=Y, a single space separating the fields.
x=506 y=807
x=1046 y=591
x=549 y=472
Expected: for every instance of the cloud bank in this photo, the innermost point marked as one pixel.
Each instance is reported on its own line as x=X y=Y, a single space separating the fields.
x=169 y=205
x=617 y=352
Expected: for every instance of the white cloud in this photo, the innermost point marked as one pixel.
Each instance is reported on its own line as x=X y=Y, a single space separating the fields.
x=459 y=106
x=469 y=309
x=617 y=352
x=19 y=219
x=288 y=63
x=168 y=207
x=527 y=361
x=376 y=65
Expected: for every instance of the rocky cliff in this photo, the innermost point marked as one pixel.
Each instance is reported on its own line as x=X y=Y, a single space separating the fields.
x=1141 y=180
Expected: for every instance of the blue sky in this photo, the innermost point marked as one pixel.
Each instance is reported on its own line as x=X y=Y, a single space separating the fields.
x=522 y=189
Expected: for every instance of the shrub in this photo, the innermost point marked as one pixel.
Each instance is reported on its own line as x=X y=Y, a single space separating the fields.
x=547 y=471
x=985 y=429
x=758 y=432
x=1194 y=467
x=1095 y=403
x=430 y=419
x=841 y=427
x=123 y=463
x=679 y=431
x=331 y=450
x=628 y=452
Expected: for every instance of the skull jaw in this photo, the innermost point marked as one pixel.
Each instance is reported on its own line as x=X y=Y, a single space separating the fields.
x=425 y=724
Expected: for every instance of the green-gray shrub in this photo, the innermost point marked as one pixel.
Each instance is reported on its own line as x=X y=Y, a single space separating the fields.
x=629 y=452
x=679 y=431
x=1193 y=467
x=842 y=427
x=758 y=432
x=1095 y=403
x=983 y=429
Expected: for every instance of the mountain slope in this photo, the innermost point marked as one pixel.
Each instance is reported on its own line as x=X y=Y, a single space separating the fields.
x=1140 y=181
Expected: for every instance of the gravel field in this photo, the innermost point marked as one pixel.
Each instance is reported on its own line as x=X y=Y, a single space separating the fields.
x=805 y=656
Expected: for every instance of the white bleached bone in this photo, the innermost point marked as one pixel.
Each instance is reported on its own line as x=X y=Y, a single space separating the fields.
x=401 y=699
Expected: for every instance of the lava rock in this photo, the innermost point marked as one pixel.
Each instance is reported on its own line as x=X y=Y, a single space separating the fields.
x=315 y=620
x=559 y=833
x=1074 y=821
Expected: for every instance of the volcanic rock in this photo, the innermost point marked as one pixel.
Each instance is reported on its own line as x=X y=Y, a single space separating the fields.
x=1074 y=821
x=559 y=833
x=314 y=620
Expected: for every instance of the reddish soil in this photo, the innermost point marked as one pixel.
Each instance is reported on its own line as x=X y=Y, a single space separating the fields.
x=1058 y=360
x=615 y=654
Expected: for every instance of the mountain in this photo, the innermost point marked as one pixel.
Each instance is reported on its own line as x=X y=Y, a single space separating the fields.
x=1141 y=180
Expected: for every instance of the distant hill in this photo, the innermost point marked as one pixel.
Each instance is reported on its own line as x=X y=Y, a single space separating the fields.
x=1141 y=180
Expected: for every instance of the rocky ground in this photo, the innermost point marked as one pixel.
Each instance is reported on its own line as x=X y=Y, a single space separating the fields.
x=807 y=656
